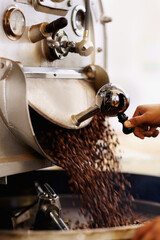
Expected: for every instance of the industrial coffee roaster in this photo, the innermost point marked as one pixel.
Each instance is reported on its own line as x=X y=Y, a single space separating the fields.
x=53 y=59
x=51 y=53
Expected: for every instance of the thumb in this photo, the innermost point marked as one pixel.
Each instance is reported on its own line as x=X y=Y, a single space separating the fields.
x=134 y=122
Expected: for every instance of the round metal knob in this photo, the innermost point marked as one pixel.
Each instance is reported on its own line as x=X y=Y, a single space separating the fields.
x=112 y=100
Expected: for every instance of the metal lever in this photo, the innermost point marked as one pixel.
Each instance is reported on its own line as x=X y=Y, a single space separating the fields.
x=49 y=211
x=110 y=101
x=56 y=25
x=82 y=116
x=43 y=30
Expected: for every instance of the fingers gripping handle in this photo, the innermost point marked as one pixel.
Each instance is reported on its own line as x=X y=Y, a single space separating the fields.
x=122 y=118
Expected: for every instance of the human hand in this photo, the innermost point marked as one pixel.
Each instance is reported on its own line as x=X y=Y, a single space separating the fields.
x=145 y=120
x=150 y=231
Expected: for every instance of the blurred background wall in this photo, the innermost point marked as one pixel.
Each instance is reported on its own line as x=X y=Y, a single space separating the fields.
x=134 y=49
x=134 y=63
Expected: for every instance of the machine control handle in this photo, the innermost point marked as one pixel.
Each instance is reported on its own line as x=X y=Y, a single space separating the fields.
x=111 y=101
x=122 y=118
x=44 y=30
x=56 y=25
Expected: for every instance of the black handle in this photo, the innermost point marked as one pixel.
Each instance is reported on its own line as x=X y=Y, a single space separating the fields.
x=122 y=118
x=56 y=25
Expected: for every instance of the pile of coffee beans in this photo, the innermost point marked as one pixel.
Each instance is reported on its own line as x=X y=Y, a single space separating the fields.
x=89 y=157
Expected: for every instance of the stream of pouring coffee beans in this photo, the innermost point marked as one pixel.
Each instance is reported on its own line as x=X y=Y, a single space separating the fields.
x=88 y=156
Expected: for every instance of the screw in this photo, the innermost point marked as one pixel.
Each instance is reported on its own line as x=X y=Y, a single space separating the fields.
x=99 y=49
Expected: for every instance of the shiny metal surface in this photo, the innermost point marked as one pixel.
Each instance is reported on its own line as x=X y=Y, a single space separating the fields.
x=55 y=44
x=58 y=45
x=78 y=18
x=33 y=56
x=110 y=100
x=20 y=126
x=14 y=103
x=14 y=23
x=23 y=67
x=49 y=207
x=56 y=73
x=52 y=7
x=14 y=156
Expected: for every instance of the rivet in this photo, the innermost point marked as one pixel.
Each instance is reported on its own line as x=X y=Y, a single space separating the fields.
x=99 y=49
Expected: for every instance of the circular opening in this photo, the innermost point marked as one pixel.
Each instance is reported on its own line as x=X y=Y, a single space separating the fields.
x=80 y=20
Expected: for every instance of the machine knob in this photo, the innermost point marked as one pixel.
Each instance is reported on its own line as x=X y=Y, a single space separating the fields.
x=112 y=100
x=44 y=30
x=56 y=25
x=59 y=48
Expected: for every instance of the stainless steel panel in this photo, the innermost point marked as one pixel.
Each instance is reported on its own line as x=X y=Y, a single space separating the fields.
x=19 y=149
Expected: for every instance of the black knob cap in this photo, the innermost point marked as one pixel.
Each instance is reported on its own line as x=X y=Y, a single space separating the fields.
x=56 y=25
x=122 y=118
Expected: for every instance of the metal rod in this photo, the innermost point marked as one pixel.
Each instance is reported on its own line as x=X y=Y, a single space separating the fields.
x=82 y=116
x=87 y=15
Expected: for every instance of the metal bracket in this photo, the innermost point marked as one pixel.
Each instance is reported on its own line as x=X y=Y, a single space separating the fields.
x=48 y=6
x=55 y=73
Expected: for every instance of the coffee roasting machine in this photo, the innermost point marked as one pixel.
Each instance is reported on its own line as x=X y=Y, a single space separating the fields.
x=42 y=65
x=52 y=60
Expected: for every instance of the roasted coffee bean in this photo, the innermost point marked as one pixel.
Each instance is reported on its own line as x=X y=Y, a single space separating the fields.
x=90 y=159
